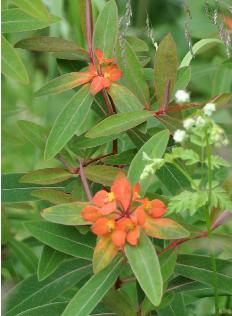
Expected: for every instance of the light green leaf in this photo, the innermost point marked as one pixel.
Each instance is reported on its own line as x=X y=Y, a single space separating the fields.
x=199 y=268
x=198 y=48
x=49 y=261
x=84 y=142
x=154 y=148
x=53 y=308
x=102 y=174
x=118 y=123
x=167 y=263
x=33 y=132
x=69 y=121
x=46 y=176
x=66 y=214
x=137 y=44
x=53 y=196
x=15 y=20
x=165 y=68
x=220 y=199
x=183 y=78
x=145 y=265
x=93 y=290
x=133 y=77
x=24 y=254
x=53 y=44
x=175 y=308
x=106 y=29
x=123 y=307
x=34 y=8
x=124 y=99
x=31 y=293
x=12 y=65
x=64 y=239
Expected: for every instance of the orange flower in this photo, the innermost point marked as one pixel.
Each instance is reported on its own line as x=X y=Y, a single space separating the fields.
x=101 y=59
x=228 y=21
x=91 y=213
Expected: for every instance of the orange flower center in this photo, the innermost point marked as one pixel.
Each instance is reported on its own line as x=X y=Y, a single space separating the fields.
x=106 y=75
x=110 y=225
x=110 y=198
x=147 y=206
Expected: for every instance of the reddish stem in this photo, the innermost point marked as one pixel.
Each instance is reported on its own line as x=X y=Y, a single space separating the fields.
x=84 y=181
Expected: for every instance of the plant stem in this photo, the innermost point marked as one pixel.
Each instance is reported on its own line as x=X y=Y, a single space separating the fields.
x=84 y=181
x=208 y=224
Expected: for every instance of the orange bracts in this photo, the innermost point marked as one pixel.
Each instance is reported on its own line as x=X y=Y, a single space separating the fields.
x=120 y=214
x=101 y=74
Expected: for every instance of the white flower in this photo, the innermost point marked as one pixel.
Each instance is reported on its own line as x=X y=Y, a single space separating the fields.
x=188 y=123
x=225 y=142
x=200 y=121
x=179 y=136
x=181 y=96
x=209 y=108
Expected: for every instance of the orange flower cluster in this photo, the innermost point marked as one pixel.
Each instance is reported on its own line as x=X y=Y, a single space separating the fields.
x=100 y=75
x=121 y=213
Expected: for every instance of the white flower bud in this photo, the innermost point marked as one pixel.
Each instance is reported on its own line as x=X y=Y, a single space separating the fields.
x=188 y=123
x=200 y=121
x=181 y=96
x=179 y=136
x=209 y=108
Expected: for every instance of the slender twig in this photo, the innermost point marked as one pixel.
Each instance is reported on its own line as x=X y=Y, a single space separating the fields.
x=84 y=181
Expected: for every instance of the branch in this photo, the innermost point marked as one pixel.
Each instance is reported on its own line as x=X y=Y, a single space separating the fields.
x=84 y=181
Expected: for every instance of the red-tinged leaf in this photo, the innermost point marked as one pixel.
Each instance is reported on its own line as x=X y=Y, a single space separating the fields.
x=165 y=69
x=46 y=176
x=63 y=83
x=104 y=253
x=52 y=44
x=164 y=228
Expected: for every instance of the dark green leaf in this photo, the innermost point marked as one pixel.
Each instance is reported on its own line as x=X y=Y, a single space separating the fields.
x=46 y=176
x=34 y=8
x=53 y=196
x=102 y=174
x=33 y=132
x=119 y=302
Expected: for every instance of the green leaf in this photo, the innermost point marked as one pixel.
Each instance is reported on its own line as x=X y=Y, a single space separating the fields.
x=147 y=307
x=14 y=191
x=15 y=20
x=165 y=68
x=145 y=265
x=198 y=48
x=53 y=44
x=93 y=290
x=137 y=44
x=34 y=8
x=217 y=162
x=12 y=65
x=60 y=84
x=33 y=132
x=46 y=176
x=24 y=254
x=133 y=77
x=65 y=239
x=69 y=121
x=118 y=123
x=164 y=228
x=106 y=29
x=199 y=268
x=154 y=148
x=220 y=199
x=54 y=309
x=175 y=308
x=31 y=293
x=188 y=201
x=66 y=214
x=49 y=261
x=53 y=196
x=167 y=263
x=124 y=99
x=102 y=174
x=183 y=78
x=104 y=253
x=84 y=142
x=119 y=302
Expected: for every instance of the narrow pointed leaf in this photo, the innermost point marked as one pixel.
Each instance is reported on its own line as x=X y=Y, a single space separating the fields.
x=124 y=99
x=49 y=261
x=165 y=68
x=118 y=123
x=53 y=196
x=69 y=121
x=64 y=239
x=60 y=84
x=33 y=132
x=104 y=175
x=46 y=176
x=104 y=253
x=53 y=44
x=164 y=228
x=12 y=65
x=167 y=263
x=31 y=293
x=35 y=8
x=145 y=265
x=133 y=77
x=66 y=214
x=53 y=308
x=15 y=20
x=123 y=307
x=106 y=29
x=94 y=290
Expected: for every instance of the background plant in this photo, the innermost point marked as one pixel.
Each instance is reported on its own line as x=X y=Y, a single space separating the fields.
x=99 y=157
